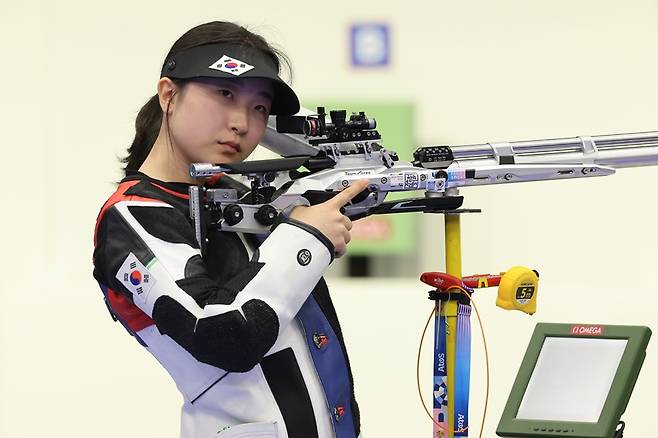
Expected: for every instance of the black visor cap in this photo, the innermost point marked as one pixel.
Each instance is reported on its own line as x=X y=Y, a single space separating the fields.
x=230 y=61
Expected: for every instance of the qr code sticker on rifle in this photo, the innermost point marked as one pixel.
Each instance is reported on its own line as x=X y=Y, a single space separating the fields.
x=410 y=180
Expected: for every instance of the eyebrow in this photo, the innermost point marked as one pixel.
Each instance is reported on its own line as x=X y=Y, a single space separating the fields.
x=266 y=95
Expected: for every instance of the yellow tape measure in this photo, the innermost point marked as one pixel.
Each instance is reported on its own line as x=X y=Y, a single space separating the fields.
x=518 y=290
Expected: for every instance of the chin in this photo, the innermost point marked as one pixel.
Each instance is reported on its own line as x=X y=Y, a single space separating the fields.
x=225 y=158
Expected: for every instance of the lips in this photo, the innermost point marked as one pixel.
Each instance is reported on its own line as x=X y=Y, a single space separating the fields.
x=234 y=146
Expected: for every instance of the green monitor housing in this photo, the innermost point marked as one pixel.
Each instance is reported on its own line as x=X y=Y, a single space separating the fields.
x=575 y=381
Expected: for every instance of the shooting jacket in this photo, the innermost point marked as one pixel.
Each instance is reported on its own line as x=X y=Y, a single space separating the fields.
x=248 y=332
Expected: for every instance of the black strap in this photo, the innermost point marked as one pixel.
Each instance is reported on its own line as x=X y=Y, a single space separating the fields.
x=287 y=384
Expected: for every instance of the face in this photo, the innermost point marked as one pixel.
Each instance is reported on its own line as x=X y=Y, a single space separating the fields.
x=219 y=120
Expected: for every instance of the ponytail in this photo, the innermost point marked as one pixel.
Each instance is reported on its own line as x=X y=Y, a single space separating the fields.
x=147 y=127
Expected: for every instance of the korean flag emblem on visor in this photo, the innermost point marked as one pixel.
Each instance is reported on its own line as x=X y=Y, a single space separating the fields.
x=231 y=65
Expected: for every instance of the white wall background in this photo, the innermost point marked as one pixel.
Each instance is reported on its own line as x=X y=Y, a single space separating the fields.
x=74 y=74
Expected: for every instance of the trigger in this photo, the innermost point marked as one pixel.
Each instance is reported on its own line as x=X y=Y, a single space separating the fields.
x=362 y=196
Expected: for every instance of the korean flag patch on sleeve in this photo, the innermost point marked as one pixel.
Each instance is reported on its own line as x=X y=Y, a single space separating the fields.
x=231 y=65
x=136 y=278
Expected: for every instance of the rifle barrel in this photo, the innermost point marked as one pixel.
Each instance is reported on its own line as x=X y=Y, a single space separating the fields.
x=617 y=150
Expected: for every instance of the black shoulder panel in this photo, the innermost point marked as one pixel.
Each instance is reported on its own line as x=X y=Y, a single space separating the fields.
x=225 y=255
x=228 y=340
x=205 y=290
x=195 y=266
x=146 y=189
x=165 y=223
x=239 y=281
x=116 y=239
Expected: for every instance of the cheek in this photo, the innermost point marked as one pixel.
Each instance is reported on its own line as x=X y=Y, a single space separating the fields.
x=256 y=131
x=196 y=124
x=199 y=117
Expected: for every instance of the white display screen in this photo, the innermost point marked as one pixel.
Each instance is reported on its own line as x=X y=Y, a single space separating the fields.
x=571 y=379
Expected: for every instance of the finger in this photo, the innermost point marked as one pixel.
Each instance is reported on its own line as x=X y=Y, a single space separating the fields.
x=346 y=195
x=347 y=237
x=340 y=251
x=347 y=222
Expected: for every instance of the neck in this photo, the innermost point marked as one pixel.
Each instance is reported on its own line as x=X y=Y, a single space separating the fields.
x=165 y=162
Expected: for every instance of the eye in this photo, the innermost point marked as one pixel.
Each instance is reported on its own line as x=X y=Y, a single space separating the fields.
x=226 y=93
x=263 y=109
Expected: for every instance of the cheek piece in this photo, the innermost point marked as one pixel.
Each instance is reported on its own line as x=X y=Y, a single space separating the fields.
x=230 y=61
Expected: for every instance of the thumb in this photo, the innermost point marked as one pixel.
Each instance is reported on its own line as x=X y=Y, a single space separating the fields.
x=350 y=192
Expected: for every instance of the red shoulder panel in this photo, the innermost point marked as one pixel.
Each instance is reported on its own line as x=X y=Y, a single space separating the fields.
x=117 y=196
x=171 y=192
x=127 y=311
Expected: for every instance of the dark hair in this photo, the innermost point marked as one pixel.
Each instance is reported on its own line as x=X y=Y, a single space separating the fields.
x=149 y=118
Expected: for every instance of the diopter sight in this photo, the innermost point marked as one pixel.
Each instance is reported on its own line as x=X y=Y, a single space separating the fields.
x=357 y=128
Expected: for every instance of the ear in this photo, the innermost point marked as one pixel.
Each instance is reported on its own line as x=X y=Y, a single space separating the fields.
x=166 y=91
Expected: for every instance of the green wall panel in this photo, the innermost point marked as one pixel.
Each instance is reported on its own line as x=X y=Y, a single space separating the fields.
x=383 y=234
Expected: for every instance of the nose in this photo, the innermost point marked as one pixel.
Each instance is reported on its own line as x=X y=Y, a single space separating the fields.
x=239 y=121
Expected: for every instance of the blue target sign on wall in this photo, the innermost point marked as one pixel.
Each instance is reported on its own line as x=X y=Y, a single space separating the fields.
x=370 y=45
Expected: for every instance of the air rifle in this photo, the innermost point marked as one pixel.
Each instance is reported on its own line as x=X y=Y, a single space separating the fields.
x=332 y=154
